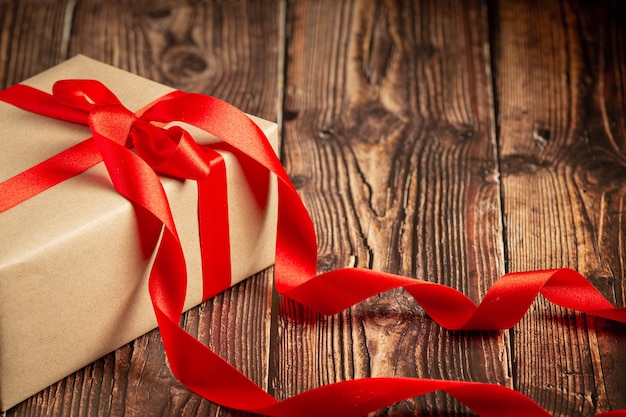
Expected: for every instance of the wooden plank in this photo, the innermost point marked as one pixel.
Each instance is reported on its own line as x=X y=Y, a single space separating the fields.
x=31 y=38
x=6 y=23
x=560 y=81
x=389 y=138
x=229 y=50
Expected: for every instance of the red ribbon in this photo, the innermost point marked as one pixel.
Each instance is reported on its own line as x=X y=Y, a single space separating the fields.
x=171 y=151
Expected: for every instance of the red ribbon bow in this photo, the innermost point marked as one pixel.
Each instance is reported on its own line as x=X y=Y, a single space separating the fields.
x=172 y=151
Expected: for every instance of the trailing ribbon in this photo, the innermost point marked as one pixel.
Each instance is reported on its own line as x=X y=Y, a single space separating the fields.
x=172 y=151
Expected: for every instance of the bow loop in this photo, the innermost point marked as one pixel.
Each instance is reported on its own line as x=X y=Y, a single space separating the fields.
x=83 y=94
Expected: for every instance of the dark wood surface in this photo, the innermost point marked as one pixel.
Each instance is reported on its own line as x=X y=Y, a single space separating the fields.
x=448 y=140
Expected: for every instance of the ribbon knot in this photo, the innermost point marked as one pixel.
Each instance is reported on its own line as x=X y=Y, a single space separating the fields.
x=170 y=151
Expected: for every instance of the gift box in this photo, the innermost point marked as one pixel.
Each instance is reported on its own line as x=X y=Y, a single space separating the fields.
x=73 y=271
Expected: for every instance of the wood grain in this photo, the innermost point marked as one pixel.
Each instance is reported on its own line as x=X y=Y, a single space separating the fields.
x=226 y=49
x=31 y=38
x=562 y=175
x=389 y=137
x=447 y=140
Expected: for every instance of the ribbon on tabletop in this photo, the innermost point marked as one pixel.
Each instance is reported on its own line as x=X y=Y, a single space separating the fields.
x=172 y=151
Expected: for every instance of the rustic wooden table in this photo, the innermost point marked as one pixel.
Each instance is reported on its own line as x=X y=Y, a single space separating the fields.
x=448 y=140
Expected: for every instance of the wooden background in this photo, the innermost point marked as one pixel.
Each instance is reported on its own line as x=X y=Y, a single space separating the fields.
x=449 y=140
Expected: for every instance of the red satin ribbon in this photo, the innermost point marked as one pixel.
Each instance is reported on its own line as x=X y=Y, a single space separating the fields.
x=170 y=152
x=196 y=366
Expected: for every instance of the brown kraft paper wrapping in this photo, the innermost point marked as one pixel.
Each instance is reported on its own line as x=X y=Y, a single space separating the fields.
x=73 y=278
